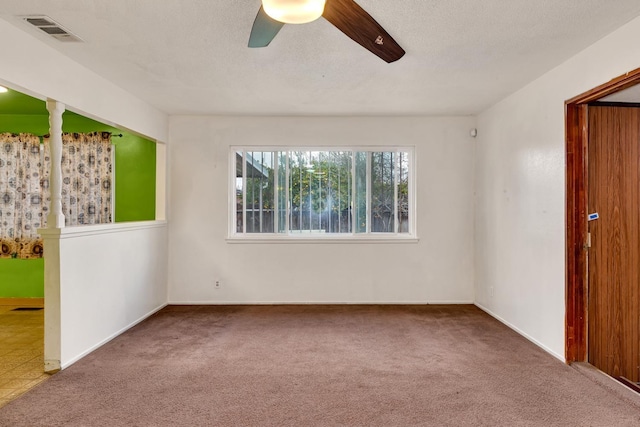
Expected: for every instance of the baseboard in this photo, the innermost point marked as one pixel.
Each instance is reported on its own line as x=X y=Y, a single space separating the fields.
x=23 y=302
x=520 y=332
x=74 y=359
x=177 y=302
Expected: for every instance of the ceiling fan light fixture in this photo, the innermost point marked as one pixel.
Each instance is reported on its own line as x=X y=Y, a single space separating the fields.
x=3 y=89
x=294 y=11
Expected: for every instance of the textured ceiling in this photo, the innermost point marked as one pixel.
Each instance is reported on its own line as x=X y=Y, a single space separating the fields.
x=190 y=57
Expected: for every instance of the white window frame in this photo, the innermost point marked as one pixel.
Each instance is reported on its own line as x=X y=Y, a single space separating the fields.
x=352 y=237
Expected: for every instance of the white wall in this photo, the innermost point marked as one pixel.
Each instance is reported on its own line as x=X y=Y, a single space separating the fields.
x=437 y=269
x=110 y=277
x=520 y=191
x=30 y=66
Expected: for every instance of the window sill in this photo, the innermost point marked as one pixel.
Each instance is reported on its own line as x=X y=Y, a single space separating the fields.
x=323 y=240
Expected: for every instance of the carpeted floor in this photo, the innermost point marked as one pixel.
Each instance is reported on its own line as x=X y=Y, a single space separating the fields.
x=323 y=366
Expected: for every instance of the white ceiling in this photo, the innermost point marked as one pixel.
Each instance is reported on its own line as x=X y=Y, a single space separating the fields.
x=191 y=57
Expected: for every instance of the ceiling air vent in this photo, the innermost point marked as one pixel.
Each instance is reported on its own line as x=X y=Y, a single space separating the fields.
x=52 y=28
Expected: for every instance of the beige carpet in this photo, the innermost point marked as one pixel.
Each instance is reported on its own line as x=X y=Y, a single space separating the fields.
x=323 y=366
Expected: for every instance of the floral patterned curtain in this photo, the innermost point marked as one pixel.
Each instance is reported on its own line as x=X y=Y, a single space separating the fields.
x=86 y=177
x=21 y=200
x=24 y=187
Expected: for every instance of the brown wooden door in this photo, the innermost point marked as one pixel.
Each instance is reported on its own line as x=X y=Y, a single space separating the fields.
x=614 y=256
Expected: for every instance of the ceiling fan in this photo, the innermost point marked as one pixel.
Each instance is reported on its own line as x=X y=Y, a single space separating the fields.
x=346 y=15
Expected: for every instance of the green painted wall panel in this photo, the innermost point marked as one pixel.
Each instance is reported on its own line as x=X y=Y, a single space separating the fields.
x=21 y=278
x=135 y=190
x=135 y=179
x=135 y=169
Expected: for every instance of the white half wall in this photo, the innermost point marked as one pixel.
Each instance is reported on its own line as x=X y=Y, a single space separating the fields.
x=520 y=191
x=439 y=268
x=110 y=277
x=34 y=68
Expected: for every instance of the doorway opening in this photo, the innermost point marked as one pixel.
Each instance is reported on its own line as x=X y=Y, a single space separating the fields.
x=580 y=309
x=21 y=346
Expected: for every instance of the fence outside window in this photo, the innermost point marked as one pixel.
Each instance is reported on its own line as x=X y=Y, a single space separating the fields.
x=302 y=192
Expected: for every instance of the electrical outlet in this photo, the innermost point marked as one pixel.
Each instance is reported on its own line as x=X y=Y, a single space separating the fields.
x=216 y=284
x=491 y=291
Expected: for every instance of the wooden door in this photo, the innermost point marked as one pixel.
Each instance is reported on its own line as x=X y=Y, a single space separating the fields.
x=614 y=256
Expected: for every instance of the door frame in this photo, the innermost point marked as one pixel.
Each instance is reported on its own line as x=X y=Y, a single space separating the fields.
x=576 y=149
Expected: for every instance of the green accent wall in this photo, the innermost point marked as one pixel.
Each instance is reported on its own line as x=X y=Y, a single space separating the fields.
x=21 y=278
x=135 y=187
x=135 y=168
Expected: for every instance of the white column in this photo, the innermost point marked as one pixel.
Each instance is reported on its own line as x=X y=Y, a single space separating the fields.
x=55 y=219
x=52 y=301
x=51 y=236
x=161 y=182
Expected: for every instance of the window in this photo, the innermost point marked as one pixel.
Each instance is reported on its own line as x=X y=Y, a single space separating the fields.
x=322 y=193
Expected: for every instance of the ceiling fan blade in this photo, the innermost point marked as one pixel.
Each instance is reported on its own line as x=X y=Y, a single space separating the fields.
x=355 y=22
x=264 y=29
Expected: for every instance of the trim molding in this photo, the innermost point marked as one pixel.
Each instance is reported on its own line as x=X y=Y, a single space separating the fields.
x=222 y=303
x=327 y=240
x=612 y=86
x=92 y=230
